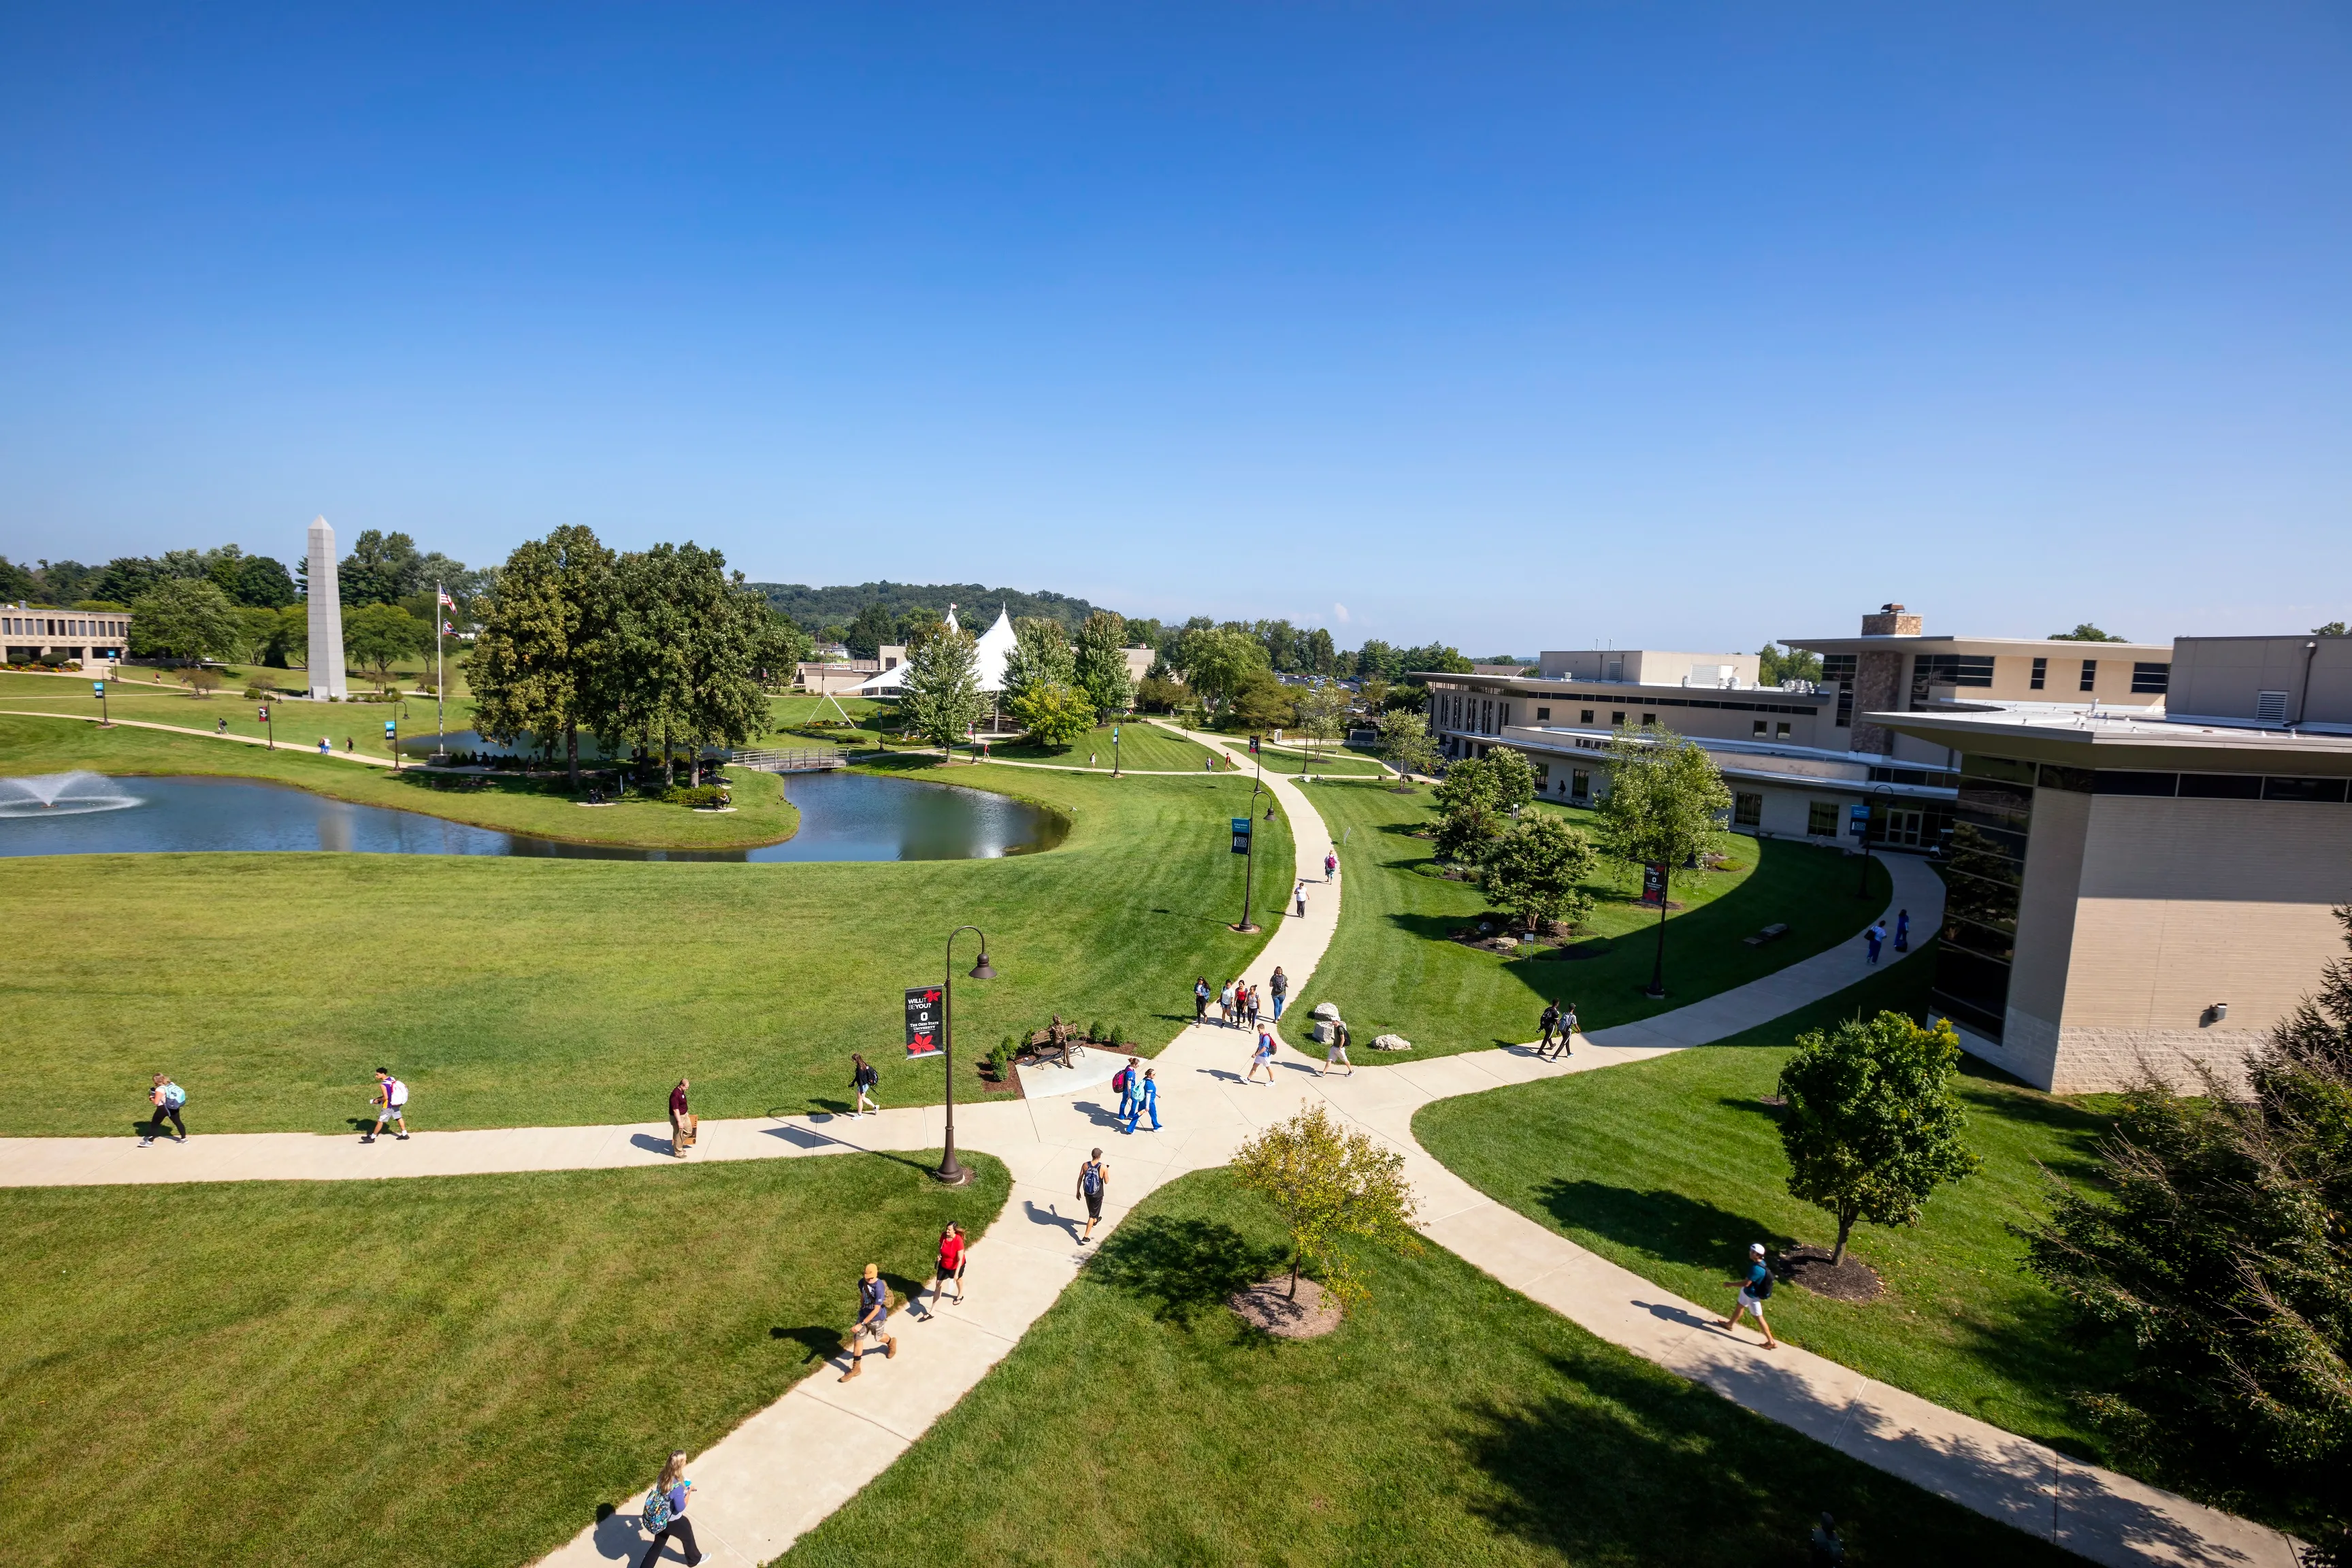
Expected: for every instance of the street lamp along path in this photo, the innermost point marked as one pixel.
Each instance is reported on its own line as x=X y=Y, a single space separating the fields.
x=951 y=1171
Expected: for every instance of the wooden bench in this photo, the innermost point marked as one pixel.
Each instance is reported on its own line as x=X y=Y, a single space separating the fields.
x=1067 y=1054
x=1770 y=933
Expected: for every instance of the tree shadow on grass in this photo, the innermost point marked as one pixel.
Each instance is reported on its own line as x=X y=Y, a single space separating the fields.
x=1634 y=1466
x=1181 y=1266
x=1669 y=1225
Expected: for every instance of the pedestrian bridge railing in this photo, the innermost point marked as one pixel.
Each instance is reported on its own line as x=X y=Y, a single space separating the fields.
x=813 y=760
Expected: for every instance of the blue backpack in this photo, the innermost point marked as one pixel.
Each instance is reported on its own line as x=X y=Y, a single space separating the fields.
x=656 y=1514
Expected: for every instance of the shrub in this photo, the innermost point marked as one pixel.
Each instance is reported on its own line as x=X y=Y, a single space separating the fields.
x=1118 y=1034
x=700 y=795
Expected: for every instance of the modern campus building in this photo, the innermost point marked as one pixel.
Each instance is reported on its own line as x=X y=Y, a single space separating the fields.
x=2137 y=886
x=1802 y=756
x=94 y=639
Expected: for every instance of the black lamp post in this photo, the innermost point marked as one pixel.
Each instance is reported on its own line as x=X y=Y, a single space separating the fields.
x=1869 y=816
x=1249 y=870
x=949 y=1172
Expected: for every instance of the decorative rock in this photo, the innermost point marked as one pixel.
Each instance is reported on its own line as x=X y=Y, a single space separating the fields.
x=1391 y=1043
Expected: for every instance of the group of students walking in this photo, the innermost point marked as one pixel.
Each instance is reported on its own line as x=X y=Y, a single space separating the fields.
x=1239 y=1004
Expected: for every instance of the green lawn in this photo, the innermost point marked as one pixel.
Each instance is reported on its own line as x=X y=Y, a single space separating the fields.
x=450 y=1371
x=297 y=724
x=1335 y=761
x=542 y=807
x=517 y=991
x=1452 y=1423
x=795 y=714
x=1144 y=748
x=1671 y=1167
x=1391 y=970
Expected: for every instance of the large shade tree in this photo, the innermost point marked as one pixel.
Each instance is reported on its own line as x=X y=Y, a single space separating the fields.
x=942 y=699
x=1102 y=672
x=378 y=636
x=543 y=653
x=1040 y=657
x=1477 y=800
x=687 y=645
x=184 y=618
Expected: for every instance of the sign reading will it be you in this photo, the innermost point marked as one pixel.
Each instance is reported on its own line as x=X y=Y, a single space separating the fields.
x=923 y=1020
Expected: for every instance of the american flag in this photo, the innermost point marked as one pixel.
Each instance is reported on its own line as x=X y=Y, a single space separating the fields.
x=448 y=601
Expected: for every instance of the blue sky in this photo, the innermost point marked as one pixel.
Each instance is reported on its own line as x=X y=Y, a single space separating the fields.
x=1517 y=326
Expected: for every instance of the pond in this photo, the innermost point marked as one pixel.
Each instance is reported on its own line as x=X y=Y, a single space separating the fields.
x=844 y=817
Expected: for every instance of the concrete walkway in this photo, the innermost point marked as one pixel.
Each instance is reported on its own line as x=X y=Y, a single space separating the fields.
x=792 y=1464
x=201 y=734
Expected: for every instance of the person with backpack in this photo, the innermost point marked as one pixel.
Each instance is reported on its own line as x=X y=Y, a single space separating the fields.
x=1262 y=1056
x=1548 y=1021
x=1335 y=1049
x=1827 y=1548
x=1147 y=1097
x=682 y=1121
x=1874 y=936
x=867 y=1082
x=873 y=1323
x=1567 y=1030
x=1094 y=1180
x=1277 y=985
x=392 y=1105
x=1753 y=1291
x=953 y=1250
x=1903 y=930
x=1330 y=864
x=664 y=1511
x=1127 y=1083
x=167 y=1098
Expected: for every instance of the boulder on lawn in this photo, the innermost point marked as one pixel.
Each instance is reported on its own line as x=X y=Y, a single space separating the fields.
x=1391 y=1043
x=1326 y=1010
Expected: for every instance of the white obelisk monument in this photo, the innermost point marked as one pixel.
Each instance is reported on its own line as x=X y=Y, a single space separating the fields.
x=326 y=659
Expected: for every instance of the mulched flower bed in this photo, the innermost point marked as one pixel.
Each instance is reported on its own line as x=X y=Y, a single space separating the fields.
x=1852 y=1280
x=1268 y=1305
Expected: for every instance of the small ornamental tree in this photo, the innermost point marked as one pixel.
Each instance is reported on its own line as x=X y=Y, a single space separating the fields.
x=1476 y=801
x=1665 y=807
x=1329 y=1184
x=1872 y=1126
x=1054 y=713
x=1537 y=870
x=1405 y=739
x=942 y=698
x=1323 y=710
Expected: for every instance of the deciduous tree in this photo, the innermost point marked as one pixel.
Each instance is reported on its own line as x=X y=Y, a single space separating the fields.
x=1330 y=1185
x=544 y=653
x=1323 y=708
x=1102 y=664
x=184 y=618
x=378 y=636
x=1872 y=1126
x=1475 y=802
x=1537 y=870
x=1054 y=713
x=1406 y=742
x=1040 y=656
x=942 y=698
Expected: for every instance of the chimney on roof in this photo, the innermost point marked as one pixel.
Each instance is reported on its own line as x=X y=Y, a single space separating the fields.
x=1891 y=621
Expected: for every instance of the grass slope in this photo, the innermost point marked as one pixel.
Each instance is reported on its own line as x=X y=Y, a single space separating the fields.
x=541 y=807
x=1144 y=748
x=1138 y=1423
x=1671 y=1167
x=531 y=993
x=451 y=1370
x=1391 y=970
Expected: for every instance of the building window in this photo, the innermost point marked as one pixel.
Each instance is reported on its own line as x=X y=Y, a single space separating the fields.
x=2041 y=674
x=1542 y=714
x=2090 y=675
x=1758 y=731
x=1617 y=719
x=1579 y=783
x=1746 y=811
x=1984 y=868
x=1587 y=717
x=1820 y=818
x=1948 y=670
x=1543 y=776
x=2152 y=678
x=1837 y=668
x=1506 y=712
x=1649 y=718
x=1783 y=730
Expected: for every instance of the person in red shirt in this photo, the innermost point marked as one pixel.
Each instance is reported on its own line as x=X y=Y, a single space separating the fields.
x=681 y=1121
x=952 y=1257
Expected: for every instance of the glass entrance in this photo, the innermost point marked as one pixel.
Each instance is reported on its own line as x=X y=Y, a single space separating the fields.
x=1905 y=829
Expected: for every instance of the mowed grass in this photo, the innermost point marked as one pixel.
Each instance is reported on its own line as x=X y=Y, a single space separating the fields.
x=518 y=991
x=1671 y=1166
x=1142 y=748
x=1332 y=761
x=1452 y=1422
x=541 y=807
x=297 y=724
x=445 y=1371
x=1392 y=969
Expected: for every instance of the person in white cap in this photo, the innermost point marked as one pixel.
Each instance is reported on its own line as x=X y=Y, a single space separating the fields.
x=1753 y=1293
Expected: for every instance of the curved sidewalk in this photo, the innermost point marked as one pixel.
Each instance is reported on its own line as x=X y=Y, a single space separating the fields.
x=789 y=1466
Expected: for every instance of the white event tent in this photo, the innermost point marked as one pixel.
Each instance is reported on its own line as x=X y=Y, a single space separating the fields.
x=996 y=647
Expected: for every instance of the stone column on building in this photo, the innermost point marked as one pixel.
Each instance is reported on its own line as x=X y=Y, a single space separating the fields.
x=326 y=655
x=1878 y=677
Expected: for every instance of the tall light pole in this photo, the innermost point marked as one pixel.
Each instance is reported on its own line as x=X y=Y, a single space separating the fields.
x=1249 y=869
x=949 y=1172
x=1868 y=815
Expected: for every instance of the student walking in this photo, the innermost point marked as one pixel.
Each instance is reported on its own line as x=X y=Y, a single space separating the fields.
x=1335 y=1049
x=1147 y=1099
x=1568 y=1031
x=1753 y=1291
x=1262 y=1057
x=166 y=1096
x=681 y=1122
x=1299 y=893
x=1250 y=1004
x=664 y=1511
x=1903 y=930
x=1548 y=1021
x=1278 y=985
x=873 y=1323
x=1874 y=936
x=1201 y=1000
x=1330 y=865
x=220 y=726
x=1226 y=1002
x=951 y=1255
x=867 y=1082
x=1127 y=1083
x=1094 y=1180
x=326 y=747
x=392 y=1105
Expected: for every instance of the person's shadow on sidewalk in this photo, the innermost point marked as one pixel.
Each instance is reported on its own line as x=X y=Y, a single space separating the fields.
x=1049 y=1218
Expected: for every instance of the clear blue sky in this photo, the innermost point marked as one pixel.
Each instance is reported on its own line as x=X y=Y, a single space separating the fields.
x=1519 y=326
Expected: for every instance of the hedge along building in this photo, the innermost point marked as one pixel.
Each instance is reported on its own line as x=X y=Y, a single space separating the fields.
x=1797 y=761
x=2145 y=888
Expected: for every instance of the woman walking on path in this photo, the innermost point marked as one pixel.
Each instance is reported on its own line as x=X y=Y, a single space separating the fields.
x=1250 y=1004
x=167 y=1098
x=1753 y=1293
x=664 y=1513
x=1874 y=936
x=952 y=1257
x=1147 y=1099
x=867 y=1083
x=1201 y=1000
x=1903 y=930
x=1262 y=1057
x=1094 y=1180
x=1330 y=864
x=873 y=1323
x=1278 y=985
x=1335 y=1051
x=1226 y=1003
x=1568 y=1031
x=681 y=1122
x=1128 y=1082
x=1299 y=893
x=392 y=1105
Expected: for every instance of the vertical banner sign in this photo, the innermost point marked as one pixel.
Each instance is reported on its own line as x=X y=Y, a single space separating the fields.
x=1653 y=882
x=922 y=1021
x=1858 y=823
x=1241 y=834
x=1253 y=746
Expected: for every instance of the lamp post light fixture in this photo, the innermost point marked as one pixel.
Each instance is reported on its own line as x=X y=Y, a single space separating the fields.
x=1870 y=814
x=953 y=1173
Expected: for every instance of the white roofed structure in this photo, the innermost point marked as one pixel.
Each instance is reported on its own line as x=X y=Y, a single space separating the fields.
x=994 y=647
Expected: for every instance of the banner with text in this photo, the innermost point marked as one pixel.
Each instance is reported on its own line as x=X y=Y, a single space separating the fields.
x=923 y=1020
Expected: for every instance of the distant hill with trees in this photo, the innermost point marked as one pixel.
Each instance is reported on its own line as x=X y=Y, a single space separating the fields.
x=819 y=609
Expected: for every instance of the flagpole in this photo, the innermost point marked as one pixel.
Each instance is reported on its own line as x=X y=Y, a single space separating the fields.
x=440 y=681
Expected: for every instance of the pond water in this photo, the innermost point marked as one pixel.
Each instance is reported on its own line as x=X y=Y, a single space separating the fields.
x=844 y=817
